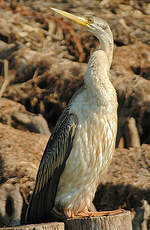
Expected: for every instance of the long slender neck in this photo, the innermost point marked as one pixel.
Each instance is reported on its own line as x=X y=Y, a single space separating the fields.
x=107 y=45
x=98 y=85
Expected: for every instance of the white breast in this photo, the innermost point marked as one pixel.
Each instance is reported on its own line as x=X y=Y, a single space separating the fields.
x=91 y=154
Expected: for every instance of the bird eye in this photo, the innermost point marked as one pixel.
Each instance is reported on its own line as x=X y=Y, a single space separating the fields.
x=89 y=19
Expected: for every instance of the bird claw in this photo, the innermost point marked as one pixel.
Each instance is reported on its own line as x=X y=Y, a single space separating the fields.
x=106 y=213
x=86 y=213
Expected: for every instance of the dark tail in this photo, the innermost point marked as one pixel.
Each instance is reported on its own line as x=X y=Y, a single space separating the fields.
x=42 y=202
x=39 y=208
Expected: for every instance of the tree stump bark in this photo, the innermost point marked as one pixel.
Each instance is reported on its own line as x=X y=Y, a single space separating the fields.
x=121 y=221
x=43 y=226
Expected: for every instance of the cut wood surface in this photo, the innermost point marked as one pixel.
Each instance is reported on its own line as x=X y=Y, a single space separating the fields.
x=43 y=226
x=115 y=222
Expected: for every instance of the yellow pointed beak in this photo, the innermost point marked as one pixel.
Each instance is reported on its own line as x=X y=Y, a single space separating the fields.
x=83 y=21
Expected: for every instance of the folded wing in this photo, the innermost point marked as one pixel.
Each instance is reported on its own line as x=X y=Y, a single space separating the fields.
x=52 y=165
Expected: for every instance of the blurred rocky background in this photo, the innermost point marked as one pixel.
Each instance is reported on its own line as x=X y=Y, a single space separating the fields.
x=43 y=58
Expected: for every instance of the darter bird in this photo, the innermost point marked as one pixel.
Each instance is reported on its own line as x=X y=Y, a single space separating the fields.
x=81 y=146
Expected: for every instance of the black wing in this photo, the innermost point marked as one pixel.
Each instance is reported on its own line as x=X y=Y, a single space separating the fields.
x=52 y=164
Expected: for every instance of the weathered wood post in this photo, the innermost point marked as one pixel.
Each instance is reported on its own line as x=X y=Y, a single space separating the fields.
x=42 y=226
x=120 y=221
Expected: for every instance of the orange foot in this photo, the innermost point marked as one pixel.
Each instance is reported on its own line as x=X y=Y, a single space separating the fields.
x=85 y=213
x=106 y=213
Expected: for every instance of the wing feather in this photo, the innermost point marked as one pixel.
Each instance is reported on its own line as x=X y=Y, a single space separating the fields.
x=51 y=166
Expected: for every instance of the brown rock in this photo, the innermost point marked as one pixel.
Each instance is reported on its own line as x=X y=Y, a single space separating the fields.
x=15 y=114
x=11 y=203
x=20 y=155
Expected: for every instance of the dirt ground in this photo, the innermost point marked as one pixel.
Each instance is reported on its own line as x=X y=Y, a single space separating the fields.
x=43 y=59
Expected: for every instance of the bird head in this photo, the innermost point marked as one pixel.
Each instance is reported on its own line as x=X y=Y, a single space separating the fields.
x=97 y=26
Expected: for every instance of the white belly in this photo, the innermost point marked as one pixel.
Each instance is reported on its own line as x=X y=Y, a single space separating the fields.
x=91 y=154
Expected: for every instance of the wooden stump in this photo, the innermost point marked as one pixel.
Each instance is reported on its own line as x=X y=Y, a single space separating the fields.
x=115 y=222
x=43 y=226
